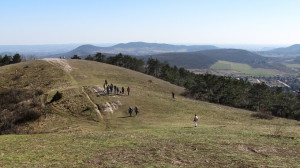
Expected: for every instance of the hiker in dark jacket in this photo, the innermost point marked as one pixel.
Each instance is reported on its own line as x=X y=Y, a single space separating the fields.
x=115 y=89
x=136 y=110
x=123 y=90
x=106 y=82
x=107 y=89
x=130 y=111
x=111 y=87
x=173 y=95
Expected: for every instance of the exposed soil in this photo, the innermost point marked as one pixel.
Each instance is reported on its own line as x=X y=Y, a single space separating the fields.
x=61 y=63
x=94 y=105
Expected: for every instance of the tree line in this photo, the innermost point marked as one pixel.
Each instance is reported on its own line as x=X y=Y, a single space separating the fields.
x=6 y=59
x=216 y=89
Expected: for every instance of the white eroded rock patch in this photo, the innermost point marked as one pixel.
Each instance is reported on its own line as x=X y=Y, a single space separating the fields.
x=61 y=63
x=111 y=106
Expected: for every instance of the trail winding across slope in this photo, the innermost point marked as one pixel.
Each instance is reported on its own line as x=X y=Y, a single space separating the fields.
x=95 y=106
x=64 y=65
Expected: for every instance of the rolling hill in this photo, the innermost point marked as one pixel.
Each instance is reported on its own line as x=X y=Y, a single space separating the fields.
x=87 y=128
x=291 y=51
x=294 y=49
x=134 y=48
x=204 y=59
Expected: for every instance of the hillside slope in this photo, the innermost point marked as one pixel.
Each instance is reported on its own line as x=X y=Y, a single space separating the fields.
x=162 y=135
x=293 y=49
x=204 y=59
x=284 y=52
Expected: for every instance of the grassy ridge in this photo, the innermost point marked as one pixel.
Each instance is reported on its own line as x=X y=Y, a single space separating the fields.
x=162 y=135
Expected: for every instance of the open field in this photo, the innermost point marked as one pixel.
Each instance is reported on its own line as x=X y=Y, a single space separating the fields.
x=293 y=66
x=243 y=69
x=73 y=134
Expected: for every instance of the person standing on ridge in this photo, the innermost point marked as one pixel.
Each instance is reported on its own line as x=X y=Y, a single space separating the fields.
x=173 y=95
x=196 y=120
x=128 y=90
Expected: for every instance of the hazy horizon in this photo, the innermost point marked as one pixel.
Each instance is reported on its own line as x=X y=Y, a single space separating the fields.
x=50 y=49
x=33 y=22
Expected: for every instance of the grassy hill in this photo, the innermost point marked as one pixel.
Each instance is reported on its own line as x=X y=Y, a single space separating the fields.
x=288 y=52
x=71 y=132
x=204 y=59
x=241 y=62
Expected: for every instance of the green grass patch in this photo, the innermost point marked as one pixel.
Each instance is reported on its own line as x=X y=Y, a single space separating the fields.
x=293 y=65
x=242 y=69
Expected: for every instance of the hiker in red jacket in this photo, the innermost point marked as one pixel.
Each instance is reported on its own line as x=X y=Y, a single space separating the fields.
x=128 y=90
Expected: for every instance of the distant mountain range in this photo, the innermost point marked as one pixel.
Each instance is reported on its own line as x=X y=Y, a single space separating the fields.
x=135 y=49
x=294 y=49
x=36 y=50
x=290 y=51
x=204 y=59
x=190 y=57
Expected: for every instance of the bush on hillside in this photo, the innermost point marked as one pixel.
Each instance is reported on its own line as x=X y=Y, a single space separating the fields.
x=56 y=97
x=75 y=57
x=262 y=115
x=11 y=120
x=18 y=106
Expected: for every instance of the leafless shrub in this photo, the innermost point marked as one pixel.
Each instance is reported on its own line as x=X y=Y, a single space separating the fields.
x=262 y=115
x=18 y=106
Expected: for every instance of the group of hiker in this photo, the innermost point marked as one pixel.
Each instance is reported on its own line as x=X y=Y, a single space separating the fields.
x=114 y=89
x=136 y=110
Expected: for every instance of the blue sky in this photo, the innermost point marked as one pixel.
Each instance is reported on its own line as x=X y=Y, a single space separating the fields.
x=162 y=21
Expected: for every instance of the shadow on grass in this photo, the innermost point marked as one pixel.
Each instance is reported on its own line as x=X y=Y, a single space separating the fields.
x=278 y=136
x=125 y=117
x=189 y=127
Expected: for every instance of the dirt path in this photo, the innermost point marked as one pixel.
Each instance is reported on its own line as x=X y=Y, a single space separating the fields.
x=95 y=106
x=61 y=63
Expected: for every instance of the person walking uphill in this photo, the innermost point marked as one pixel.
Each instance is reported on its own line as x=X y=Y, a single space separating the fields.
x=128 y=90
x=136 y=110
x=196 y=120
x=130 y=111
